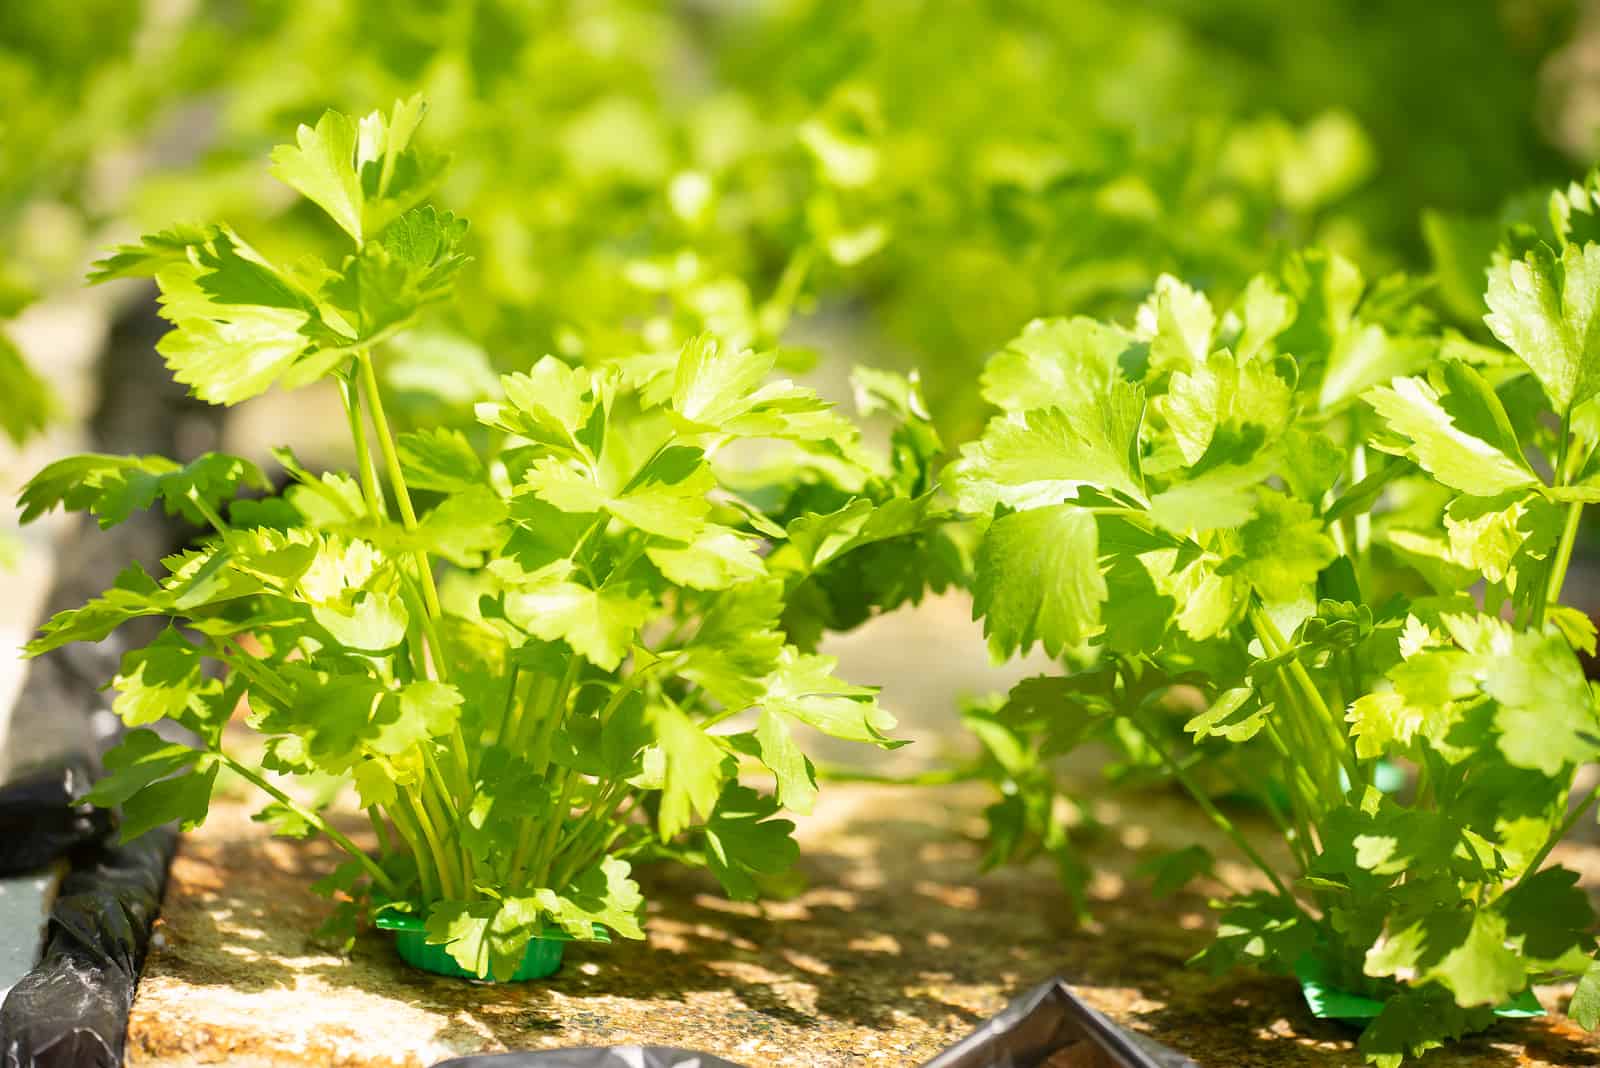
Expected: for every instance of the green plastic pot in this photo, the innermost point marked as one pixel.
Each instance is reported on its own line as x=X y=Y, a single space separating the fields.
x=1327 y=1002
x=540 y=960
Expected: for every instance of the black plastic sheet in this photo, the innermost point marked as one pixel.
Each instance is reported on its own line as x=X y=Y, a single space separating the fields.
x=41 y=818
x=71 y=1011
x=1041 y=1023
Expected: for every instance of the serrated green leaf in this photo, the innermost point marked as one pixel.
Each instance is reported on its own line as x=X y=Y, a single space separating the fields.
x=1046 y=456
x=321 y=166
x=1178 y=323
x=1549 y=918
x=743 y=840
x=439 y=459
x=606 y=895
x=550 y=404
x=792 y=772
x=133 y=595
x=1237 y=715
x=693 y=775
x=737 y=644
x=716 y=559
x=804 y=688
x=599 y=624
x=1467 y=952
x=421 y=710
x=141 y=758
x=1038 y=579
x=1543 y=307
x=1546 y=713
x=160 y=680
x=487 y=937
x=29 y=404
x=1584 y=1008
x=1052 y=359
x=111 y=488
x=720 y=388
x=1171 y=872
x=1448 y=451
x=1282 y=550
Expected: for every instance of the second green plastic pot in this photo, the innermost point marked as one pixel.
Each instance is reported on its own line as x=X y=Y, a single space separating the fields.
x=541 y=960
x=1327 y=1002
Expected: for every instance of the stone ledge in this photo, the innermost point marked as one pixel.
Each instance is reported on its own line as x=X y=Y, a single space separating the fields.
x=896 y=951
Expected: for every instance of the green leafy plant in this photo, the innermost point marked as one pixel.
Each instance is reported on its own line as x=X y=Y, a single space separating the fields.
x=1336 y=534
x=524 y=644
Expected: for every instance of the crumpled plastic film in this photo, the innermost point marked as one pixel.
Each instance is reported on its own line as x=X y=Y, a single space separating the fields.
x=1044 y=1027
x=71 y=1011
x=42 y=818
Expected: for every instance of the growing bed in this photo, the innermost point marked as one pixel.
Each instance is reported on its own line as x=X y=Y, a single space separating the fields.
x=894 y=952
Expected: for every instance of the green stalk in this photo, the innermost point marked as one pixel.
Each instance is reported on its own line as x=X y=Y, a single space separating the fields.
x=1555 y=839
x=376 y=508
x=580 y=855
x=441 y=858
x=1549 y=591
x=379 y=828
x=1305 y=790
x=391 y=460
x=536 y=694
x=1215 y=814
x=605 y=803
x=510 y=705
x=1362 y=550
x=407 y=827
x=244 y=663
x=447 y=820
x=408 y=518
x=540 y=868
x=1265 y=628
x=552 y=716
x=380 y=878
x=1560 y=562
x=212 y=517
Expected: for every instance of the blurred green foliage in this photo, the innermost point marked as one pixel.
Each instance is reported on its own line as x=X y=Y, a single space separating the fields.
x=936 y=172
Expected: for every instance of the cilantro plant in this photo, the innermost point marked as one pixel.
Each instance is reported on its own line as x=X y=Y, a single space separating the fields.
x=512 y=641
x=1338 y=534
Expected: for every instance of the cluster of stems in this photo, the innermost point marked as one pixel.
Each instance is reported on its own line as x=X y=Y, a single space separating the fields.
x=1308 y=732
x=426 y=817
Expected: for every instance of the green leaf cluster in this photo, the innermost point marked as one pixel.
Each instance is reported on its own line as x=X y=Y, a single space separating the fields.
x=1347 y=528
x=532 y=648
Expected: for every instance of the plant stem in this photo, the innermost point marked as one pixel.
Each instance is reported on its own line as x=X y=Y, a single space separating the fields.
x=1221 y=821
x=379 y=876
x=397 y=481
x=510 y=705
x=245 y=664
x=377 y=510
x=407 y=827
x=441 y=859
x=1560 y=562
x=1334 y=728
x=1566 y=827
x=553 y=713
x=540 y=868
x=381 y=829
x=408 y=518
x=1362 y=519
x=211 y=515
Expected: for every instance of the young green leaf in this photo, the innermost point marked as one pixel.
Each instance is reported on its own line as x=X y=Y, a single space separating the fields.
x=1542 y=307
x=1039 y=580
